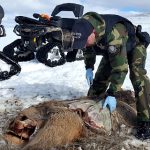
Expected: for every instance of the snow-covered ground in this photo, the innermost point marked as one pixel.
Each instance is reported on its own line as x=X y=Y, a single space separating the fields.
x=37 y=82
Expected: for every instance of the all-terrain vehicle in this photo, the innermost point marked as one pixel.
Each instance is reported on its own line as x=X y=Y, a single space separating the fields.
x=14 y=67
x=46 y=38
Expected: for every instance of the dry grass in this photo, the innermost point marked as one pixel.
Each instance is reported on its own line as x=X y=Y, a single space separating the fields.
x=120 y=140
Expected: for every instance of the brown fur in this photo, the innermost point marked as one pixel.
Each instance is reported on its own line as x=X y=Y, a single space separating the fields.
x=61 y=128
x=58 y=125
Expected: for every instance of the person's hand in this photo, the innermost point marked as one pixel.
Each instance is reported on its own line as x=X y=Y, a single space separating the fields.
x=111 y=102
x=89 y=76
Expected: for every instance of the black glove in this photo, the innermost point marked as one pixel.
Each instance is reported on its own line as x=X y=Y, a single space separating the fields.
x=144 y=37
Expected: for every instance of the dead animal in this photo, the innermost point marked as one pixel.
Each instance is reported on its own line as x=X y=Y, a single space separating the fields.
x=56 y=123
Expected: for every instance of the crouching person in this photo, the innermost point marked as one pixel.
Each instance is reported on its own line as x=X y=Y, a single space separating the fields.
x=122 y=47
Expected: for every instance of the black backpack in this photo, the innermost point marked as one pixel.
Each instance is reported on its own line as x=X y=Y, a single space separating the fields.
x=111 y=20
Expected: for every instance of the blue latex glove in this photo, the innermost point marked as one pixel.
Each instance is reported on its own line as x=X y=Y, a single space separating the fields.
x=111 y=102
x=89 y=76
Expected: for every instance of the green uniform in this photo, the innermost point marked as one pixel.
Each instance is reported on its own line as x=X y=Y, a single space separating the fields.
x=114 y=65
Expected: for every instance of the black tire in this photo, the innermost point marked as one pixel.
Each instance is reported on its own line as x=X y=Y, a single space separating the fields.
x=25 y=56
x=44 y=51
x=17 y=52
x=4 y=75
x=14 y=68
x=9 y=49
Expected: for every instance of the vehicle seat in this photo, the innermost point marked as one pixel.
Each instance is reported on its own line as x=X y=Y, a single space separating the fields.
x=26 y=20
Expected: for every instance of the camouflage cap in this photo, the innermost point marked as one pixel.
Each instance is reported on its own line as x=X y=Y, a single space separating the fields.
x=97 y=22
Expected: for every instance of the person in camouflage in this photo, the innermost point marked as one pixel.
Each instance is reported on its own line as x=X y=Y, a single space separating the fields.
x=122 y=47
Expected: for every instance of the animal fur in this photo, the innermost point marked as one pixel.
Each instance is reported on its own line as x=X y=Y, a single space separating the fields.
x=56 y=124
x=61 y=128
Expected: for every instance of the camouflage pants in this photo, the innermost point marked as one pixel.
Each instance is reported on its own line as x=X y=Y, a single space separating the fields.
x=139 y=79
x=140 y=82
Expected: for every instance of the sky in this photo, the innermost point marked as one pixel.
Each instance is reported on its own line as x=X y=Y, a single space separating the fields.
x=28 y=7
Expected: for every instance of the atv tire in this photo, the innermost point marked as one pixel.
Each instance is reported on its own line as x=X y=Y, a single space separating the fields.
x=17 y=52
x=57 y=57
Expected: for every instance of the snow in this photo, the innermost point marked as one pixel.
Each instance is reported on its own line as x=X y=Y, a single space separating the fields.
x=37 y=82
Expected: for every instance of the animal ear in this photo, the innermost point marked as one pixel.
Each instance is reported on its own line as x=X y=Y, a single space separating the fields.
x=80 y=112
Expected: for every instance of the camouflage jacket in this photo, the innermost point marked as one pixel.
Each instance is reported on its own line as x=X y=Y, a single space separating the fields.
x=118 y=60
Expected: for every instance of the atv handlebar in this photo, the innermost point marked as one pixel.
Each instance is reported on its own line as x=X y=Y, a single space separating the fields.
x=2 y=31
x=41 y=18
x=1 y=13
x=36 y=15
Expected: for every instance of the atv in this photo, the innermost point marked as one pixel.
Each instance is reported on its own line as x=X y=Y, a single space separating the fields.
x=47 y=38
x=14 y=67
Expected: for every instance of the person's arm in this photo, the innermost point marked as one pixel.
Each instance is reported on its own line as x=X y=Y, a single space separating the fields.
x=118 y=61
x=118 y=73
x=89 y=57
x=117 y=56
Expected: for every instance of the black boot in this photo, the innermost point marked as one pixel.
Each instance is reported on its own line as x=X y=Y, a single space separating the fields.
x=143 y=130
